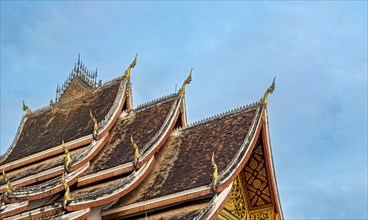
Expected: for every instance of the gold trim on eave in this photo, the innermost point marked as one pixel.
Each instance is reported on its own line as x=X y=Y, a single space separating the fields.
x=95 y=125
x=215 y=170
x=186 y=82
x=67 y=153
x=9 y=187
x=268 y=91
x=132 y=65
x=137 y=154
x=26 y=109
x=67 y=195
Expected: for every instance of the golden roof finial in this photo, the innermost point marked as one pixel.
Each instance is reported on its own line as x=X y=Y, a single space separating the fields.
x=187 y=81
x=67 y=153
x=9 y=187
x=215 y=171
x=67 y=196
x=26 y=109
x=136 y=149
x=132 y=65
x=268 y=91
x=95 y=125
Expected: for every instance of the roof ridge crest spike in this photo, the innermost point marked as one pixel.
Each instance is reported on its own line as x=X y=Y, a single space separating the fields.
x=216 y=116
x=154 y=101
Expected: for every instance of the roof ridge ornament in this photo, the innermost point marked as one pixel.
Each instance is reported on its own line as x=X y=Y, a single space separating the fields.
x=137 y=154
x=268 y=91
x=67 y=153
x=26 y=109
x=215 y=172
x=9 y=187
x=132 y=65
x=186 y=82
x=95 y=125
x=67 y=196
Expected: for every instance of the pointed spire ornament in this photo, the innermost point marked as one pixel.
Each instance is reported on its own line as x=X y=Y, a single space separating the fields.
x=95 y=125
x=67 y=196
x=268 y=91
x=26 y=109
x=215 y=171
x=132 y=65
x=186 y=82
x=9 y=187
x=67 y=153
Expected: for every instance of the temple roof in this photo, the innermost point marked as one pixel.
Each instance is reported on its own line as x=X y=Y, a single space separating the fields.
x=125 y=162
x=45 y=129
x=142 y=123
x=184 y=162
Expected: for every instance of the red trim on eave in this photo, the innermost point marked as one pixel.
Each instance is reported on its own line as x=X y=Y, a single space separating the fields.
x=53 y=191
x=113 y=197
x=85 y=160
x=112 y=123
x=158 y=204
x=108 y=175
x=13 y=212
x=247 y=156
x=35 y=180
x=269 y=165
x=219 y=209
x=47 y=155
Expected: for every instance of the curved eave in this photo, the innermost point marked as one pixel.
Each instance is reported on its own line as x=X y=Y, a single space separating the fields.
x=105 y=174
x=89 y=153
x=227 y=176
x=38 y=177
x=76 y=215
x=149 y=149
x=156 y=203
x=114 y=112
x=215 y=206
x=269 y=158
x=82 y=158
x=105 y=125
x=30 y=195
x=47 y=153
x=37 y=213
x=131 y=182
x=12 y=209
x=161 y=136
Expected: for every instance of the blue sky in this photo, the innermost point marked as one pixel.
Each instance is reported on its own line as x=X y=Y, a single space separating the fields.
x=317 y=51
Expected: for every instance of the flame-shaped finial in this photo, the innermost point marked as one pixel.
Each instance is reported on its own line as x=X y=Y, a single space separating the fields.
x=186 y=82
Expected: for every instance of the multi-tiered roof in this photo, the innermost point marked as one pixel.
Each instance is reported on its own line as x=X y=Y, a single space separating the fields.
x=91 y=154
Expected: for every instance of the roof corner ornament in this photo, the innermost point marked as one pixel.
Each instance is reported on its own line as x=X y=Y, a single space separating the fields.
x=26 y=109
x=268 y=91
x=67 y=196
x=215 y=172
x=186 y=82
x=137 y=154
x=132 y=65
x=95 y=126
x=67 y=153
x=9 y=187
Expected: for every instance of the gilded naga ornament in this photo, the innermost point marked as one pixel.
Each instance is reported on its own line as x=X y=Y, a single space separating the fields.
x=268 y=91
x=132 y=65
x=67 y=153
x=8 y=187
x=215 y=171
x=137 y=154
x=186 y=82
x=95 y=125
x=26 y=109
x=135 y=146
x=67 y=196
